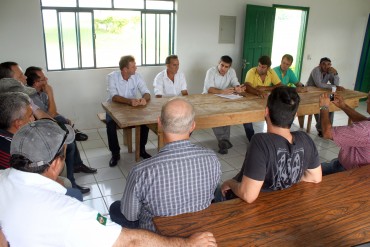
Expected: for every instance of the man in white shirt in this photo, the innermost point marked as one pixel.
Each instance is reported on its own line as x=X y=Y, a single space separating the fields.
x=122 y=88
x=222 y=80
x=170 y=82
x=47 y=217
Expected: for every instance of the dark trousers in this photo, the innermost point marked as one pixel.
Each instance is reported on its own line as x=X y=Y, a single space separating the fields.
x=113 y=139
x=318 y=120
x=75 y=193
x=249 y=131
x=117 y=216
x=73 y=159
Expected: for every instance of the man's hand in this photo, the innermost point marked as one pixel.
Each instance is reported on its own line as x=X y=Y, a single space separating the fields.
x=339 y=88
x=202 y=239
x=324 y=100
x=229 y=90
x=239 y=89
x=134 y=102
x=339 y=101
x=301 y=89
x=142 y=101
x=224 y=188
x=331 y=70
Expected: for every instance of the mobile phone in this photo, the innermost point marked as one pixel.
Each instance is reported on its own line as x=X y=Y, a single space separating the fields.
x=331 y=96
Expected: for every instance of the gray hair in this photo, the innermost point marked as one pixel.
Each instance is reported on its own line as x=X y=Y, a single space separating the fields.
x=13 y=106
x=177 y=120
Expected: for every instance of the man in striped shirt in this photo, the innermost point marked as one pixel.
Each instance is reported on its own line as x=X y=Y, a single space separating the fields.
x=181 y=178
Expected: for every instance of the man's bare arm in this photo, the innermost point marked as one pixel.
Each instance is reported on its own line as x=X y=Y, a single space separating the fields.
x=312 y=175
x=248 y=189
x=138 y=237
x=214 y=90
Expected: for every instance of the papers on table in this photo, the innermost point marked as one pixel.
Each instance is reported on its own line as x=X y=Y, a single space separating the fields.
x=229 y=96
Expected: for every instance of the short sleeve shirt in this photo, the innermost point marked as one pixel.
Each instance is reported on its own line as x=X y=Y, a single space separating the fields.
x=289 y=79
x=354 y=143
x=165 y=87
x=254 y=79
x=272 y=159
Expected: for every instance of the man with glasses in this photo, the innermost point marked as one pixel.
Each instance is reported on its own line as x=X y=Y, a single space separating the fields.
x=35 y=212
x=324 y=76
x=10 y=124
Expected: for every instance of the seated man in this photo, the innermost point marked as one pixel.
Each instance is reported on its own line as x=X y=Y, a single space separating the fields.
x=222 y=80
x=258 y=80
x=44 y=98
x=324 y=76
x=181 y=178
x=122 y=88
x=279 y=158
x=73 y=157
x=170 y=82
x=33 y=204
x=353 y=140
x=286 y=74
x=15 y=112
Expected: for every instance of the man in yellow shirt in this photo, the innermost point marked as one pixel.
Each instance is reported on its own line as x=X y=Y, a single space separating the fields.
x=258 y=80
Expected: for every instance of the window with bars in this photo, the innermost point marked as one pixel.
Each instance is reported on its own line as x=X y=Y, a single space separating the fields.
x=85 y=34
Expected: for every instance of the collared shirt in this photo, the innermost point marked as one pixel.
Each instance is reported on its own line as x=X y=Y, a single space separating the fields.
x=216 y=80
x=181 y=178
x=165 y=87
x=254 y=79
x=354 y=143
x=5 y=141
x=319 y=79
x=128 y=89
x=34 y=211
x=289 y=79
x=41 y=99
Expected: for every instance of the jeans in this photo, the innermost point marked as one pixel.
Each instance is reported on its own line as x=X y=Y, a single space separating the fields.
x=117 y=216
x=113 y=139
x=74 y=193
x=73 y=159
x=331 y=167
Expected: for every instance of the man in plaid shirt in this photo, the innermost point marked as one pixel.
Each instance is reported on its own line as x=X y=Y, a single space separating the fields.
x=181 y=178
x=353 y=140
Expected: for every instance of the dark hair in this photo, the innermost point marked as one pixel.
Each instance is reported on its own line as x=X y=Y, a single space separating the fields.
x=125 y=60
x=21 y=163
x=226 y=59
x=288 y=56
x=6 y=69
x=325 y=59
x=13 y=106
x=265 y=60
x=31 y=75
x=283 y=104
x=168 y=59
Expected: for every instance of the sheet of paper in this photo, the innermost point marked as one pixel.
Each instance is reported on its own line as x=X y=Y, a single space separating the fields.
x=229 y=96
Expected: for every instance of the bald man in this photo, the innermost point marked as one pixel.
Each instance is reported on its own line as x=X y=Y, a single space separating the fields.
x=181 y=178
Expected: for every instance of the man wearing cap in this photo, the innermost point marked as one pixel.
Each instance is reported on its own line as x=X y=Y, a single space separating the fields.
x=324 y=76
x=35 y=212
x=12 y=85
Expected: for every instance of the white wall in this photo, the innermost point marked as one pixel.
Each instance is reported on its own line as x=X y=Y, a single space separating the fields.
x=336 y=29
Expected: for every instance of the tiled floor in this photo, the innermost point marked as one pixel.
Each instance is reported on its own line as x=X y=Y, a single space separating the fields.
x=109 y=183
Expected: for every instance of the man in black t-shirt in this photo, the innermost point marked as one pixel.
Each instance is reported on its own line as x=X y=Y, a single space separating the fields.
x=279 y=158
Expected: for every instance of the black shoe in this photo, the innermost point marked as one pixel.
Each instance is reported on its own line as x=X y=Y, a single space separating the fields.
x=84 y=168
x=114 y=160
x=229 y=145
x=80 y=136
x=223 y=147
x=145 y=155
x=83 y=190
x=319 y=133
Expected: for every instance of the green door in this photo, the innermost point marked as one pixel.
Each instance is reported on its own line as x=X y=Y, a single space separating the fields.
x=363 y=74
x=258 y=35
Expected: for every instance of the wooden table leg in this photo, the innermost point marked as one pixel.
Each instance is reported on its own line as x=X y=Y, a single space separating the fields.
x=137 y=143
x=128 y=138
x=160 y=139
x=309 y=121
x=301 y=121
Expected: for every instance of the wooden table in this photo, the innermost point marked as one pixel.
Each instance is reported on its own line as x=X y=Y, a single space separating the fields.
x=335 y=212
x=213 y=111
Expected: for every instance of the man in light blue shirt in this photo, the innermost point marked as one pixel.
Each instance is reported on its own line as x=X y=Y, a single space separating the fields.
x=286 y=74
